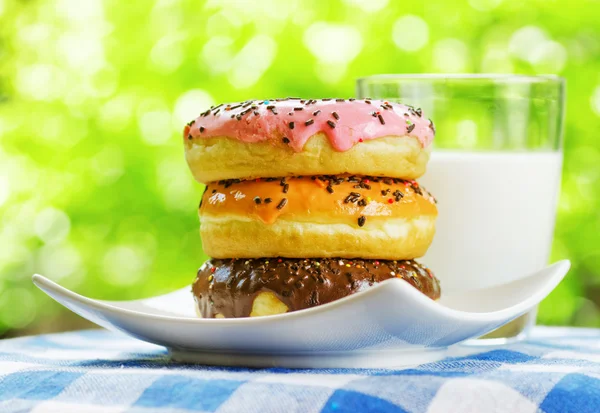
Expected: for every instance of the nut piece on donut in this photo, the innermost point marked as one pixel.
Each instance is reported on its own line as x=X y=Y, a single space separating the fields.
x=269 y=286
x=309 y=137
x=321 y=216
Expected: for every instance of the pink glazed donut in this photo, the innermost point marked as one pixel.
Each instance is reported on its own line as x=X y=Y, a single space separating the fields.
x=292 y=136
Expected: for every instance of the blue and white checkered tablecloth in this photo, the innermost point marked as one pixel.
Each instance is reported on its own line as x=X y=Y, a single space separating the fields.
x=556 y=371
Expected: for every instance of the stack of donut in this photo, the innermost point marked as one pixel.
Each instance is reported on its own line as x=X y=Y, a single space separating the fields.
x=308 y=201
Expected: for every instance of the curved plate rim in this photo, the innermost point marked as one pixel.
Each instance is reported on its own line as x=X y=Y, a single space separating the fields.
x=48 y=286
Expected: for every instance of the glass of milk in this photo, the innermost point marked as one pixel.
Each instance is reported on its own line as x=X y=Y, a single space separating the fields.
x=495 y=170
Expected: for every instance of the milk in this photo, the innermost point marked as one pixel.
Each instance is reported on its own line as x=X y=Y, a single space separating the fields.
x=496 y=215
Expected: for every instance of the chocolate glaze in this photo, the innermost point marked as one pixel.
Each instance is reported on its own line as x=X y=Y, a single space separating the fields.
x=229 y=286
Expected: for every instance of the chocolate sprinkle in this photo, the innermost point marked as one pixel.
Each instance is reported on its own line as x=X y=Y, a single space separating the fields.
x=352 y=197
x=331 y=124
x=410 y=128
x=335 y=115
x=381 y=119
x=257 y=200
x=282 y=203
x=285 y=140
x=309 y=122
x=291 y=125
x=268 y=200
x=431 y=126
x=361 y=220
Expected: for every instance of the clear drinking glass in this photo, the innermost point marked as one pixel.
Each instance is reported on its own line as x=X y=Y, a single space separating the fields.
x=495 y=169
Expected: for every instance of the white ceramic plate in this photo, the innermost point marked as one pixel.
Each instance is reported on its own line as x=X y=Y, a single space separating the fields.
x=388 y=325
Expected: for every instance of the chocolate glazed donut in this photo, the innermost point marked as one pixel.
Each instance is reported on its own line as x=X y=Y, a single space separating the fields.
x=266 y=286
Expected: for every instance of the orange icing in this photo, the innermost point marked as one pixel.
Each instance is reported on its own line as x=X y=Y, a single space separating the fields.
x=306 y=198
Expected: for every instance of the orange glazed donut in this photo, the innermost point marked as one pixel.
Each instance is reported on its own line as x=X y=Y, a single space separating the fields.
x=318 y=216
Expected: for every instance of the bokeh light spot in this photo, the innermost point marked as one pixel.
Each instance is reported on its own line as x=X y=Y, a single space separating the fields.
x=333 y=43
x=217 y=54
x=155 y=127
x=83 y=53
x=484 y=5
x=167 y=54
x=525 y=40
x=58 y=262
x=252 y=61
x=496 y=60
x=80 y=11
x=52 y=225
x=595 y=100
x=32 y=35
x=329 y=72
x=370 y=6
x=223 y=23
x=16 y=260
x=18 y=307
x=40 y=81
x=410 y=33
x=116 y=113
x=103 y=82
x=176 y=184
x=107 y=165
x=466 y=133
x=190 y=104
x=450 y=56
x=124 y=265
x=549 y=57
x=4 y=189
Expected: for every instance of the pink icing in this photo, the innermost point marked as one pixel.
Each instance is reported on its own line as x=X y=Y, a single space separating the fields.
x=345 y=122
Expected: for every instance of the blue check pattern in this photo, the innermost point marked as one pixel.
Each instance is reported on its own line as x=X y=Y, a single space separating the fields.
x=556 y=371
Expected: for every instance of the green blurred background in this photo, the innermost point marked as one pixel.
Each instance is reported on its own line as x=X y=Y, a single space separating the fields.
x=94 y=190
